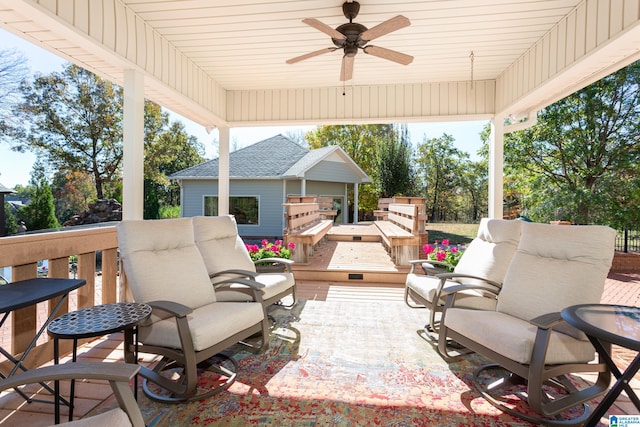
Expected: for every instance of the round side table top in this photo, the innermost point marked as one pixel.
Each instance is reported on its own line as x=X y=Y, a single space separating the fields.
x=615 y=324
x=98 y=320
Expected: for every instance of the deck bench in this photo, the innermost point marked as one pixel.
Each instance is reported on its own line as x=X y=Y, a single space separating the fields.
x=305 y=228
x=400 y=232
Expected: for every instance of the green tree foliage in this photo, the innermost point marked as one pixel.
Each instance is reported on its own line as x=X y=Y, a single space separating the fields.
x=73 y=191
x=580 y=161
x=394 y=170
x=39 y=214
x=361 y=143
x=10 y=222
x=74 y=119
x=168 y=149
x=440 y=166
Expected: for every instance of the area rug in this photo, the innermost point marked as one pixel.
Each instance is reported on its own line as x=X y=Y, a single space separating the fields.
x=342 y=364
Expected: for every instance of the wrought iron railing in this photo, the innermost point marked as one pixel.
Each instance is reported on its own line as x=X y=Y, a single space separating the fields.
x=628 y=241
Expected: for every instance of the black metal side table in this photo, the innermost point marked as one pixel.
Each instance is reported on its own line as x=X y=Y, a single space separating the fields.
x=609 y=324
x=94 y=322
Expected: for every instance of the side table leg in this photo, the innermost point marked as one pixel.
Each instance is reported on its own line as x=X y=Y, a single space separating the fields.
x=73 y=382
x=56 y=383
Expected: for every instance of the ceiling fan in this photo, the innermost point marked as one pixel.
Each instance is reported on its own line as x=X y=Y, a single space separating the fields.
x=353 y=36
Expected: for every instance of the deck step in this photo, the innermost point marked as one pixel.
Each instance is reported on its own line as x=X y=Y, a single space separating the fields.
x=351 y=261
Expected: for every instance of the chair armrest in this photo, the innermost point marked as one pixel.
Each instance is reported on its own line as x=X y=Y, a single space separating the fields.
x=80 y=370
x=448 y=276
x=277 y=260
x=173 y=308
x=547 y=321
x=251 y=284
x=286 y=262
x=451 y=291
x=239 y=272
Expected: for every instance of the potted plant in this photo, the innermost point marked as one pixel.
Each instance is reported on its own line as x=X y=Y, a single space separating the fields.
x=443 y=255
x=266 y=255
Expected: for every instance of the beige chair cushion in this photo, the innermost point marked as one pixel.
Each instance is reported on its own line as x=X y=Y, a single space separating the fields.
x=490 y=253
x=113 y=418
x=223 y=249
x=556 y=266
x=209 y=325
x=219 y=244
x=514 y=338
x=177 y=274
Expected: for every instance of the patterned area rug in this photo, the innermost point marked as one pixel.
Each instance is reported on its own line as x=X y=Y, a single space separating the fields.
x=342 y=364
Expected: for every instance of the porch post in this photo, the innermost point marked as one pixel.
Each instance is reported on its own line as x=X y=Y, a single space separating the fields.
x=303 y=187
x=355 y=203
x=345 y=205
x=496 y=166
x=223 y=171
x=133 y=146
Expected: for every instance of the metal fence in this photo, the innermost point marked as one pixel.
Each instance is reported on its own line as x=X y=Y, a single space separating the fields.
x=628 y=241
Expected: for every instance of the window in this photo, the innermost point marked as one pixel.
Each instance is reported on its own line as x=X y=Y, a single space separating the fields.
x=244 y=209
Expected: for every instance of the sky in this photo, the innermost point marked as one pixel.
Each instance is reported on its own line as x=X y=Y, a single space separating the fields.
x=15 y=168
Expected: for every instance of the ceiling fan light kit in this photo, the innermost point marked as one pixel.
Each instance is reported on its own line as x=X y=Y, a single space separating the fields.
x=352 y=36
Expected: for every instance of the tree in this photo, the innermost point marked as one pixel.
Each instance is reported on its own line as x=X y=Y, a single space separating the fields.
x=581 y=158
x=74 y=119
x=13 y=70
x=394 y=171
x=73 y=191
x=361 y=143
x=10 y=223
x=168 y=149
x=39 y=214
x=440 y=165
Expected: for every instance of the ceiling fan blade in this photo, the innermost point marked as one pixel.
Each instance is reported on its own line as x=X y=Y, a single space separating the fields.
x=310 y=55
x=385 y=27
x=389 y=54
x=346 y=69
x=333 y=33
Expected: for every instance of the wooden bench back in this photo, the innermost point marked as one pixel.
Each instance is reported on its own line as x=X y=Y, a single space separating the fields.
x=300 y=215
x=404 y=216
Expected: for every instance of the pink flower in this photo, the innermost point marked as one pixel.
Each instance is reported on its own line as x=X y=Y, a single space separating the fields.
x=445 y=242
x=428 y=249
x=278 y=242
x=291 y=245
x=454 y=250
x=265 y=242
x=441 y=255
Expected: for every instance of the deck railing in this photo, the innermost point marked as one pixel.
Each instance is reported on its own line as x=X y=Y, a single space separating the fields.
x=23 y=252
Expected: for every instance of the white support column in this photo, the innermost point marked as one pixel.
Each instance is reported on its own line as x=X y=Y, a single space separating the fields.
x=496 y=168
x=303 y=187
x=345 y=205
x=223 y=171
x=355 y=203
x=133 y=146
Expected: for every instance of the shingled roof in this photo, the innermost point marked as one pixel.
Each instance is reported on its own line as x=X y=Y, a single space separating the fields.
x=271 y=158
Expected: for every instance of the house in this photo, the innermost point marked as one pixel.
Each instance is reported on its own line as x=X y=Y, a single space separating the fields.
x=262 y=175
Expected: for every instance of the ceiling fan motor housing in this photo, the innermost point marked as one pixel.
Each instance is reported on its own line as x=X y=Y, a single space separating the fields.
x=352 y=42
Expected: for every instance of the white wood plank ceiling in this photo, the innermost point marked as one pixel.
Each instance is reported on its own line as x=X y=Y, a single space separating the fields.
x=223 y=61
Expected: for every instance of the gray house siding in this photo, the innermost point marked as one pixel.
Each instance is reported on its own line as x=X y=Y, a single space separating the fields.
x=268 y=192
x=332 y=171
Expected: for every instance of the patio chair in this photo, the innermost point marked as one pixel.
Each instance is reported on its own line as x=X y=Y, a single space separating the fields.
x=226 y=258
x=118 y=375
x=188 y=325
x=555 y=266
x=484 y=261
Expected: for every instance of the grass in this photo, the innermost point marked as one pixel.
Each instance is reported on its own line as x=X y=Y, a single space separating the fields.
x=456 y=233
